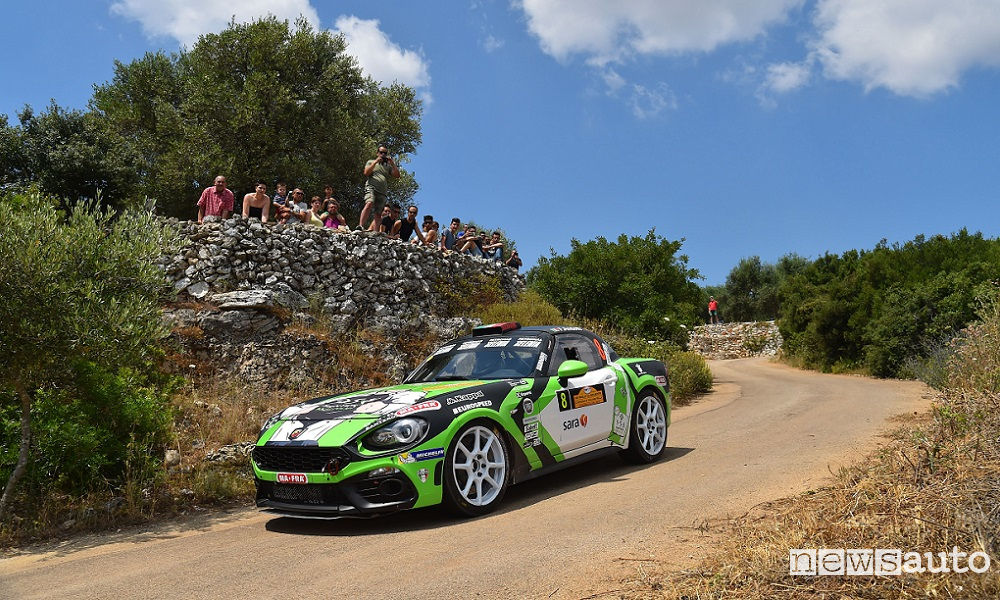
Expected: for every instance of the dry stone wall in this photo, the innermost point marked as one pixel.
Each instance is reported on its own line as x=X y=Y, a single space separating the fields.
x=261 y=288
x=736 y=340
x=356 y=273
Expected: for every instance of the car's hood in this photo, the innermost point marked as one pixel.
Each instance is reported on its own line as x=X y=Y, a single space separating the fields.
x=306 y=422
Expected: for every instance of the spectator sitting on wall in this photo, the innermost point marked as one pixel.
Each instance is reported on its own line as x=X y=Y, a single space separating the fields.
x=279 y=204
x=431 y=233
x=257 y=204
x=450 y=235
x=332 y=219
x=408 y=226
x=298 y=202
x=216 y=200
x=494 y=249
x=514 y=261
x=470 y=242
x=312 y=214
x=388 y=224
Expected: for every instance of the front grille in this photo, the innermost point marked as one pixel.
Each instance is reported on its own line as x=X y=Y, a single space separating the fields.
x=313 y=494
x=297 y=459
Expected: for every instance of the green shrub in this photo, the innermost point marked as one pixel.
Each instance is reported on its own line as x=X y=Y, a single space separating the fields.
x=94 y=433
x=529 y=309
x=689 y=376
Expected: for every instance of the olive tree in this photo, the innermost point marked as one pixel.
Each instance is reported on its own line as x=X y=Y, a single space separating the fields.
x=80 y=286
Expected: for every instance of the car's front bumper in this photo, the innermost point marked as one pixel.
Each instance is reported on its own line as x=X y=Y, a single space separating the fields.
x=359 y=496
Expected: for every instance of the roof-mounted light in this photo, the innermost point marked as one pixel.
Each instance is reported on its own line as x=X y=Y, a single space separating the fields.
x=495 y=328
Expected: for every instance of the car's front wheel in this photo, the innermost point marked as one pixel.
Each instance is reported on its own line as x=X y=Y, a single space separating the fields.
x=477 y=470
x=648 y=437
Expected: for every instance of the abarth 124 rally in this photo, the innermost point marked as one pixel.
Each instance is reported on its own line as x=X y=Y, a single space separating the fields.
x=483 y=412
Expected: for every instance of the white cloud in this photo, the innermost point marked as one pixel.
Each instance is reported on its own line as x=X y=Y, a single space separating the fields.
x=606 y=32
x=646 y=102
x=492 y=44
x=185 y=20
x=613 y=80
x=911 y=47
x=381 y=58
x=785 y=77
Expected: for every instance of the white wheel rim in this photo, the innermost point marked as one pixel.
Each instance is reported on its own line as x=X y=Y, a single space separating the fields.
x=480 y=467
x=651 y=425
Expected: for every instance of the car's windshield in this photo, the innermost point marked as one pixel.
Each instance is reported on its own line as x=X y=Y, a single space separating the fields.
x=489 y=358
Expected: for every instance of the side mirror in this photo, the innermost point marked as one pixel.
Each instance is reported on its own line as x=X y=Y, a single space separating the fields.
x=572 y=368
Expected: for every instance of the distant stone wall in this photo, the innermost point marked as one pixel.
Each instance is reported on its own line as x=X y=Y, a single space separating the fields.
x=736 y=340
x=356 y=273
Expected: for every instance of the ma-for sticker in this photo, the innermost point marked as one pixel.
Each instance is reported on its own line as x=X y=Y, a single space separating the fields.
x=581 y=397
x=298 y=478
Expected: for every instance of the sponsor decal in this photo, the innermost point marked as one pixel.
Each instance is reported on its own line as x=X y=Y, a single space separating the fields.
x=574 y=398
x=444 y=349
x=517 y=382
x=420 y=455
x=580 y=421
x=296 y=433
x=638 y=368
x=481 y=404
x=531 y=433
x=661 y=381
x=470 y=345
x=297 y=478
x=529 y=406
x=419 y=407
x=422 y=474
x=528 y=343
x=498 y=342
x=620 y=426
x=541 y=361
x=466 y=397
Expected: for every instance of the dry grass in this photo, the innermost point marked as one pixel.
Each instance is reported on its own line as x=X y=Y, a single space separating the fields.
x=936 y=486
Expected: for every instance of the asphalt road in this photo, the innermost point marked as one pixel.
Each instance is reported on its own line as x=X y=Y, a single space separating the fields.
x=768 y=431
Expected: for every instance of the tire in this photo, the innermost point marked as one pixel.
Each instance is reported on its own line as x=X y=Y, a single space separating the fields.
x=648 y=433
x=477 y=470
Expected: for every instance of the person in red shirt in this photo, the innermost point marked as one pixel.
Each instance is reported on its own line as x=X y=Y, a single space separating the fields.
x=216 y=200
x=713 y=310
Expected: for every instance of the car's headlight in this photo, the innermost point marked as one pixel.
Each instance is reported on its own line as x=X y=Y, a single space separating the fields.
x=267 y=424
x=401 y=432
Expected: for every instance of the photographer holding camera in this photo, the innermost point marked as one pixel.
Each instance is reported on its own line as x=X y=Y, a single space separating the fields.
x=377 y=171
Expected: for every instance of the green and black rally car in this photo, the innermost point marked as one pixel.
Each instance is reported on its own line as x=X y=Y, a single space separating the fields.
x=483 y=412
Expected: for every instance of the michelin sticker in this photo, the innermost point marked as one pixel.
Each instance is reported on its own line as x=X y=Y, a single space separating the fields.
x=420 y=455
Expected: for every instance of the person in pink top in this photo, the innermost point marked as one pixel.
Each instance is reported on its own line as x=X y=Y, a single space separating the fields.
x=216 y=200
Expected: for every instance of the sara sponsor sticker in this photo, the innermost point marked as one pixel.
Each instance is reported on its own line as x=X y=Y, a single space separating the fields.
x=299 y=478
x=419 y=407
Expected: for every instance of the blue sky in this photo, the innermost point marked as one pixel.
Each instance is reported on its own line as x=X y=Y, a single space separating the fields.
x=746 y=128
